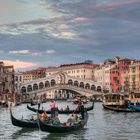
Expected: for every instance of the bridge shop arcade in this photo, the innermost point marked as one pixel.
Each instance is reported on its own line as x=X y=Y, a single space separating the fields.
x=59 y=86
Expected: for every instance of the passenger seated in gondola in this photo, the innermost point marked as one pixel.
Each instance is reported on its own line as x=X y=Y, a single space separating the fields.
x=61 y=109
x=67 y=108
x=56 y=121
x=32 y=118
x=74 y=119
x=43 y=116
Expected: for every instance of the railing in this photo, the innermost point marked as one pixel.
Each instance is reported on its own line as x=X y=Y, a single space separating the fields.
x=65 y=86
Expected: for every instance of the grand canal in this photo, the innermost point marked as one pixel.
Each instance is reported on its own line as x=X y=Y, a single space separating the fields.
x=102 y=125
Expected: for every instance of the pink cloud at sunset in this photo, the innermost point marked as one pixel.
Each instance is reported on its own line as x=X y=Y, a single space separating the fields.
x=113 y=6
x=81 y=19
x=19 y=64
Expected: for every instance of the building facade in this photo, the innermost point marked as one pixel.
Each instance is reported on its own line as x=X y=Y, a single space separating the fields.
x=115 y=75
x=134 y=76
x=102 y=74
x=116 y=78
x=79 y=70
x=6 y=81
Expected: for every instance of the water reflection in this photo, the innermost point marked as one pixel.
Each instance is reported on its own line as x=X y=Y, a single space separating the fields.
x=102 y=125
x=21 y=132
x=77 y=135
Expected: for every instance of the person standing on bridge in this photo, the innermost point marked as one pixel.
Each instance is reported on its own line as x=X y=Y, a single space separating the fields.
x=52 y=105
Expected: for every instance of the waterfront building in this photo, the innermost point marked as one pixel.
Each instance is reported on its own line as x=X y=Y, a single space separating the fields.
x=108 y=64
x=6 y=81
x=102 y=74
x=116 y=77
x=134 y=76
x=125 y=79
x=79 y=70
x=18 y=80
x=1 y=77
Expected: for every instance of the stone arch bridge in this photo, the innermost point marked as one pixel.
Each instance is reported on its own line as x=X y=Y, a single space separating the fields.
x=61 y=85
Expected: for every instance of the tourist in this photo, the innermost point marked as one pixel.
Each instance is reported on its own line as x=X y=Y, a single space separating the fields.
x=67 y=108
x=56 y=121
x=39 y=102
x=43 y=116
x=32 y=118
x=74 y=119
x=52 y=105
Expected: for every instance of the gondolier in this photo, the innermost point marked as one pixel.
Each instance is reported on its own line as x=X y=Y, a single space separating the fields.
x=82 y=109
x=61 y=111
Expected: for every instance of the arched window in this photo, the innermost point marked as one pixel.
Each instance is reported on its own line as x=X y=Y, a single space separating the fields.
x=41 y=85
x=35 y=87
x=93 y=87
x=70 y=82
x=53 y=82
x=47 y=84
x=76 y=83
x=87 y=86
x=23 y=90
x=29 y=88
x=99 y=89
x=16 y=86
x=16 y=78
x=81 y=84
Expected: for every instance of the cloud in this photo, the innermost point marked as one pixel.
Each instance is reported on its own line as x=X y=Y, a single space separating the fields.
x=27 y=52
x=19 y=64
x=1 y=51
x=50 y=51
x=81 y=19
x=73 y=30
x=52 y=27
x=20 y=52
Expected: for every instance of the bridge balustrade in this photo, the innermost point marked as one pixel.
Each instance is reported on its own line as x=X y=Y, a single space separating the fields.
x=83 y=91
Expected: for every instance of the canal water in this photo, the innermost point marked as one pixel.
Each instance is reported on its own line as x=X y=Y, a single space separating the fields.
x=102 y=125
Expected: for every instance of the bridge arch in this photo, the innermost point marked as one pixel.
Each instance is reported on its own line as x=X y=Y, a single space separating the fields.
x=47 y=83
x=35 y=86
x=99 y=89
x=23 y=89
x=53 y=82
x=93 y=87
x=41 y=85
x=76 y=83
x=70 y=82
x=58 y=79
x=82 y=85
x=87 y=86
x=29 y=88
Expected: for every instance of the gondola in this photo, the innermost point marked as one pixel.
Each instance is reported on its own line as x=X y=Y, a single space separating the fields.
x=33 y=103
x=47 y=127
x=61 y=111
x=136 y=106
x=118 y=109
x=24 y=122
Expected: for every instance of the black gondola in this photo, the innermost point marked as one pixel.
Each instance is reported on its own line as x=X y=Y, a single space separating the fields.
x=33 y=103
x=61 y=111
x=118 y=109
x=47 y=127
x=24 y=122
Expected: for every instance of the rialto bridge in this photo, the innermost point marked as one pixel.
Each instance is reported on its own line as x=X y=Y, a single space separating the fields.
x=60 y=85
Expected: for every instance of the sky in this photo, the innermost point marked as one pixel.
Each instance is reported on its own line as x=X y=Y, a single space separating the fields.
x=44 y=33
